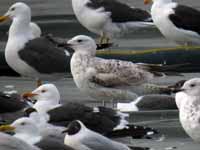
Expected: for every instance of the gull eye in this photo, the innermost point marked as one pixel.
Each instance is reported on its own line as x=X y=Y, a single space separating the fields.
x=12 y=9
x=79 y=41
x=43 y=91
x=23 y=123
x=192 y=85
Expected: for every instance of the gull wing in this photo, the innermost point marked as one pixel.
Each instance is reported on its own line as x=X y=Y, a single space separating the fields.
x=113 y=73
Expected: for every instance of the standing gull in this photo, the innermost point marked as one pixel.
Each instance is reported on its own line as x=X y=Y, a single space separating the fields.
x=100 y=119
x=109 y=17
x=81 y=138
x=26 y=130
x=176 y=22
x=109 y=79
x=38 y=58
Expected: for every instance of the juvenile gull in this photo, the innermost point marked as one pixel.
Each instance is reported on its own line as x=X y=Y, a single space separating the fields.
x=100 y=119
x=8 y=142
x=109 y=17
x=188 y=101
x=81 y=138
x=176 y=22
x=26 y=129
x=38 y=58
x=109 y=79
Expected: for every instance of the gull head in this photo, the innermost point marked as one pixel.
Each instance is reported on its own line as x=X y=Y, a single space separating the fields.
x=18 y=10
x=21 y=126
x=82 y=43
x=191 y=87
x=74 y=128
x=45 y=92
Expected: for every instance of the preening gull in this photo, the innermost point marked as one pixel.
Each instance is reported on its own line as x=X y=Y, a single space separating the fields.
x=100 y=119
x=176 y=22
x=109 y=17
x=81 y=138
x=26 y=130
x=8 y=142
x=189 y=107
x=38 y=58
x=109 y=79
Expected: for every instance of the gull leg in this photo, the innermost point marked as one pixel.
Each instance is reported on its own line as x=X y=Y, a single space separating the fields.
x=39 y=82
x=107 y=40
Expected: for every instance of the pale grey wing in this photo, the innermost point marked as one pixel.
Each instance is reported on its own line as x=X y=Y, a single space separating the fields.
x=113 y=73
x=8 y=142
x=98 y=142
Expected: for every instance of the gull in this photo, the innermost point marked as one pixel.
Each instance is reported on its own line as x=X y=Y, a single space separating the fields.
x=8 y=142
x=188 y=101
x=80 y=137
x=149 y=103
x=108 y=18
x=103 y=120
x=26 y=130
x=178 y=23
x=110 y=79
x=11 y=107
x=30 y=56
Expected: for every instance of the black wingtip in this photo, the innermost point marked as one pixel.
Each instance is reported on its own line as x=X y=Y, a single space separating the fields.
x=104 y=46
x=134 y=131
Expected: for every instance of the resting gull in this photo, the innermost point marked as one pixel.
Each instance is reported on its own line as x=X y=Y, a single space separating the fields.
x=38 y=58
x=149 y=103
x=108 y=18
x=188 y=101
x=80 y=137
x=100 y=119
x=109 y=79
x=26 y=130
x=178 y=23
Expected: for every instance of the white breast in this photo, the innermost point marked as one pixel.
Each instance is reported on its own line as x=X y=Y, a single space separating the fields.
x=93 y=20
x=14 y=44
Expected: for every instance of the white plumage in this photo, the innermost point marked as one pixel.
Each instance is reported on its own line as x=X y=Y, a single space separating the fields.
x=176 y=22
x=188 y=101
x=109 y=18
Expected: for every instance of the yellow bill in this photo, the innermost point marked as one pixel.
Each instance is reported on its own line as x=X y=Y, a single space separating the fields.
x=3 y=18
x=6 y=128
x=28 y=95
x=147 y=2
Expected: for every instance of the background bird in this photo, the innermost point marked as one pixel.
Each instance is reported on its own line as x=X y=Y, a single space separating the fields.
x=178 y=23
x=103 y=17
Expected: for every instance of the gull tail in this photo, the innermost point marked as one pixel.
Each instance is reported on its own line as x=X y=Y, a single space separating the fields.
x=134 y=131
x=160 y=70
